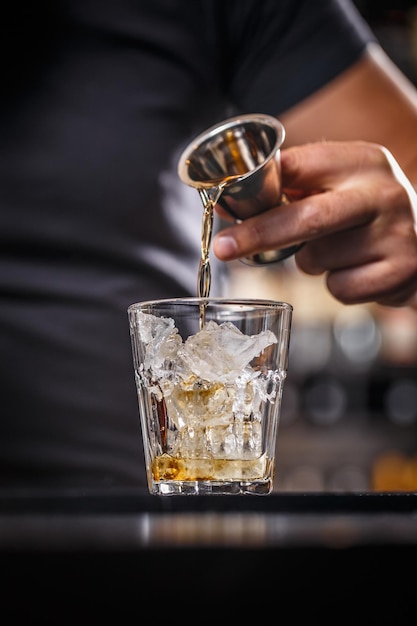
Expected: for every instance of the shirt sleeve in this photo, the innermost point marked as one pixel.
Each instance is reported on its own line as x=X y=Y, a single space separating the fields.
x=288 y=50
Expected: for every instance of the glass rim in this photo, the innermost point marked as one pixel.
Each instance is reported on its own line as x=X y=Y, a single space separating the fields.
x=215 y=300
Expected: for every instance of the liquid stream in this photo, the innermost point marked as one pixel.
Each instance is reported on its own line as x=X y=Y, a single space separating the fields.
x=209 y=198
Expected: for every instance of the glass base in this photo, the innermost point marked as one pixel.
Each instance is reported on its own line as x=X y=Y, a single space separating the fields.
x=215 y=488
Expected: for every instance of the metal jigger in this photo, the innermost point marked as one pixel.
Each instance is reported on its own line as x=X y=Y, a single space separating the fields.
x=236 y=164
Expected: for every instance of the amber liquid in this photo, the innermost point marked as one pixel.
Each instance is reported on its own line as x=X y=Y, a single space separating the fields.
x=167 y=467
x=204 y=271
x=209 y=199
x=204 y=451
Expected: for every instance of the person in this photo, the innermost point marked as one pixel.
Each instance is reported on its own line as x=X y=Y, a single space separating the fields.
x=99 y=99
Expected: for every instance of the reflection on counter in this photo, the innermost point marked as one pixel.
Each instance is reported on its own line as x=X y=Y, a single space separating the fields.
x=349 y=414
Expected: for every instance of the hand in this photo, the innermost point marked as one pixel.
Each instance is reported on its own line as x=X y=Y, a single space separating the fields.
x=354 y=211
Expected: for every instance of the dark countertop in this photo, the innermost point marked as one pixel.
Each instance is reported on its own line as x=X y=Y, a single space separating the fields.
x=133 y=520
x=111 y=553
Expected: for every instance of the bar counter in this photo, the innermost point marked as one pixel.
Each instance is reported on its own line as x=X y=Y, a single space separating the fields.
x=120 y=554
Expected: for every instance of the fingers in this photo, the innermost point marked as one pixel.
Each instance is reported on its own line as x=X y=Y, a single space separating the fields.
x=328 y=165
x=380 y=282
x=338 y=185
x=353 y=212
x=303 y=220
x=360 y=270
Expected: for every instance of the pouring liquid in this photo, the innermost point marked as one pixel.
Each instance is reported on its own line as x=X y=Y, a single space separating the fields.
x=209 y=198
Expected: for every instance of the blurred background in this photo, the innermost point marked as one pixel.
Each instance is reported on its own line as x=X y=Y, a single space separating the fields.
x=349 y=415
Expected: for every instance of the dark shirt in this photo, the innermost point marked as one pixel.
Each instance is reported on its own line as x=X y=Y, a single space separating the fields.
x=99 y=97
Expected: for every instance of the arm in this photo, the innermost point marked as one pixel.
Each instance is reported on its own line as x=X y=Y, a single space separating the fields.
x=355 y=211
x=372 y=101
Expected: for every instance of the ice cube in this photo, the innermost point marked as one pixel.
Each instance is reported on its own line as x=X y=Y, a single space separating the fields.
x=162 y=341
x=222 y=352
x=213 y=397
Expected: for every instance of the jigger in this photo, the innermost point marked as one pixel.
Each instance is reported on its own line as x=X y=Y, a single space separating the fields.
x=236 y=164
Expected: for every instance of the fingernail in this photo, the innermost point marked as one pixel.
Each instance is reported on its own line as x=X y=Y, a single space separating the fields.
x=225 y=246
